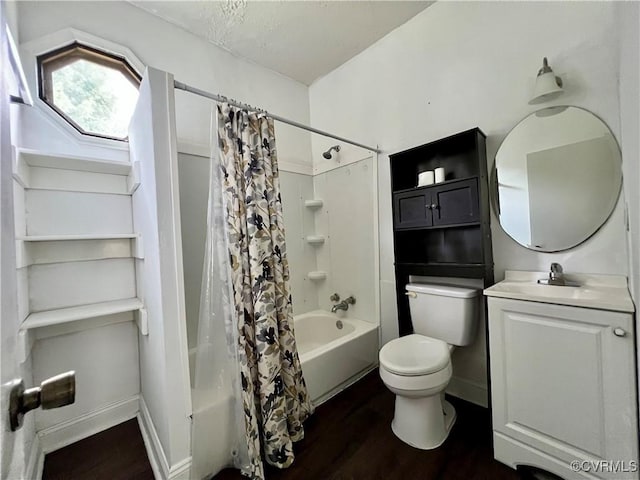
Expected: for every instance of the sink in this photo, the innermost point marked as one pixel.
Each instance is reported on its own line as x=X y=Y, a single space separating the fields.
x=607 y=292
x=551 y=291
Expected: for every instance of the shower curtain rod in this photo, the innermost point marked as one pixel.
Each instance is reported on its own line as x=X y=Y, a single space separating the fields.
x=219 y=98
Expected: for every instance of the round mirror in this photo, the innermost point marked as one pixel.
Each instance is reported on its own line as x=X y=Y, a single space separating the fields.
x=556 y=178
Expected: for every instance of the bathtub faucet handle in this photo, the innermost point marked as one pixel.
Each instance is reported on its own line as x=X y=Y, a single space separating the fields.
x=344 y=305
x=335 y=297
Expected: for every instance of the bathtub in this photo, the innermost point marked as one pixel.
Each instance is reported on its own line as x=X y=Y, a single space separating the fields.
x=333 y=358
x=212 y=411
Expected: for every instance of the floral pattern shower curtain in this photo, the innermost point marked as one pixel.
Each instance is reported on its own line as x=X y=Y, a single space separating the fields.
x=274 y=395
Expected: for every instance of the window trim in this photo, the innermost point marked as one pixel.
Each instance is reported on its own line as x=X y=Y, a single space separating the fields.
x=60 y=57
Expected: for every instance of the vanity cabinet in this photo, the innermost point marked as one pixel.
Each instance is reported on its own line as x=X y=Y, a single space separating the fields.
x=563 y=386
x=450 y=203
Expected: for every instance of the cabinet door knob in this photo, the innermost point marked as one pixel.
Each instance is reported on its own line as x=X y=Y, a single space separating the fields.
x=619 y=332
x=435 y=207
x=429 y=206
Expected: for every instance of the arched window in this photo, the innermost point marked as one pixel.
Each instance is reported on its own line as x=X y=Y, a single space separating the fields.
x=94 y=91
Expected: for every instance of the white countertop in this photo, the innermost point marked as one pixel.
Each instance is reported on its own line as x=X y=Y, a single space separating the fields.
x=603 y=292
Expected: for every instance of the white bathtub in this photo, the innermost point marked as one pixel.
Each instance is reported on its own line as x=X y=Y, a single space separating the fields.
x=333 y=358
x=212 y=413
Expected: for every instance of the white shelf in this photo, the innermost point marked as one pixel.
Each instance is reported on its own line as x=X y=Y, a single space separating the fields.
x=315 y=239
x=56 y=238
x=35 y=158
x=71 y=314
x=315 y=203
x=317 y=275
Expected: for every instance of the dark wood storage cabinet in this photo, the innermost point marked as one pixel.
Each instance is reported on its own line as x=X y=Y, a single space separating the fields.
x=442 y=229
x=447 y=203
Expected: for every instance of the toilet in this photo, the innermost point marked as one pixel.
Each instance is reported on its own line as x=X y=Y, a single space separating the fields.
x=417 y=367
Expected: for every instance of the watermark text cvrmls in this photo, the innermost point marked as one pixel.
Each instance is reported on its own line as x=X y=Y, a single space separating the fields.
x=604 y=466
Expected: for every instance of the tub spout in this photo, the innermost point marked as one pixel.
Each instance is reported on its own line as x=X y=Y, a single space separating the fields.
x=343 y=305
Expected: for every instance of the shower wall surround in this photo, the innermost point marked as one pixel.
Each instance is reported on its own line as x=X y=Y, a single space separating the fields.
x=346 y=222
x=299 y=223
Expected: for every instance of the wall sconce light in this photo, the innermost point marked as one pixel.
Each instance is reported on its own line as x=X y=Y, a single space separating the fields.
x=548 y=86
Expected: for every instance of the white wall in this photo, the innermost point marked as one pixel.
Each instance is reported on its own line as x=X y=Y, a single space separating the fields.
x=459 y=65
x=629 y=37
x=191 y=59
x=164 y=365
x=194 y=199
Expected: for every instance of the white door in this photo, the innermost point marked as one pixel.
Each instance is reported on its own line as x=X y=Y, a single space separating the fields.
x=8 y=297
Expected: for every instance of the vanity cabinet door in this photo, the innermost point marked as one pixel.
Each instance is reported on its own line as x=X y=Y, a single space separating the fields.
x=412 y=209
x=563 y=382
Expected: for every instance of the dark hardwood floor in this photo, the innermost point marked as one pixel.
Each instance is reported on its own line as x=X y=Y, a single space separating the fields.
x=350 y=437
x=114 y=454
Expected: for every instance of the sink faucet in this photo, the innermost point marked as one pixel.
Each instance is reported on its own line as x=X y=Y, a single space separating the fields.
x=556 y=277
x=344 y=305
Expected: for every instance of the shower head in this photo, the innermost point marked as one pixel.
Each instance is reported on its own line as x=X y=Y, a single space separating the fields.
x=327 y=154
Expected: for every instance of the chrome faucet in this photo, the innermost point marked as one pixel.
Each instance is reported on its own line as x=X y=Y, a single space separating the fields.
x=344 y=305
x=556 y=277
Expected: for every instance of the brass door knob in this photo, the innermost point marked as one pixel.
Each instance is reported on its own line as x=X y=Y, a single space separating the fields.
x=54 y=392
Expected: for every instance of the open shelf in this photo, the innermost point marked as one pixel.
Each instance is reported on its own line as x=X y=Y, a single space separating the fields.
x=314 y=203
x=315 y=239
x=81 y=312
x=317 y=275
x=56 y=238
x=446 y=182
x=35 y=158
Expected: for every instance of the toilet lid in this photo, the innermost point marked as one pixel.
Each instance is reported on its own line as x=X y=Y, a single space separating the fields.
x=414 y=355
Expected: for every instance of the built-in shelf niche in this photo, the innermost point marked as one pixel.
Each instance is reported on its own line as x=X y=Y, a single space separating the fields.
x=315 y=204
x=42 y=249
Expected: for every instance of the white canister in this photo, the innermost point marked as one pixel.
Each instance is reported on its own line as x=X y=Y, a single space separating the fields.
x=425 y=178
x=439 y=174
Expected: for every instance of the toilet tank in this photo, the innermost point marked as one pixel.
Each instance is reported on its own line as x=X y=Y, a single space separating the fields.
x=444 y=312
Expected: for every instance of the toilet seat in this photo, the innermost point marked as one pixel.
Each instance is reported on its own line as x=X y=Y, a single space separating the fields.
x=415 y=355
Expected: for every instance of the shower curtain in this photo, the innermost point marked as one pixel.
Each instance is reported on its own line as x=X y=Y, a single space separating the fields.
x=261 y=357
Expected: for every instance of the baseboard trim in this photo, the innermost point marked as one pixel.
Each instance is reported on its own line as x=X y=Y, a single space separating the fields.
x=181 y=470
x=157 y=457
x=35 y=465
x=66 y=433
x=470 y=391
x=155 y=452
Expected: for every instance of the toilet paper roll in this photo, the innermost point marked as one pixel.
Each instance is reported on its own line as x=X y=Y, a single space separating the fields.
x=439 y=174
x=425 y=178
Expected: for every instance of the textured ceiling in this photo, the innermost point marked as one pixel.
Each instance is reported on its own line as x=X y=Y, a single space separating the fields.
x=303 y=40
